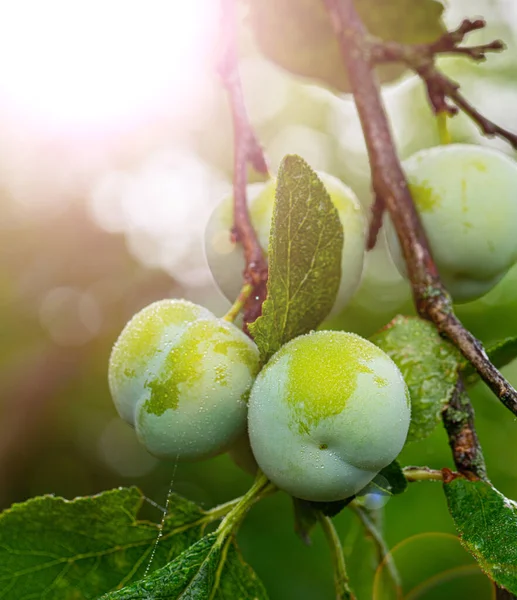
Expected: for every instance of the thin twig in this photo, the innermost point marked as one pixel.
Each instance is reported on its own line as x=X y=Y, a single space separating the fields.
x=449 y=43
x=239 y=303
x=343 y=591
x=383 y=552
x=246 y=150
x=487 y=126
x=389 y=182
x=443 y=92
x=458 y=419
x=413 y=474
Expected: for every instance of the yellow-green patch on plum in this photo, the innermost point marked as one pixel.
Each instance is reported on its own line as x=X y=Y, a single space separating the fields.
x=182 y=379
x=144 y=338
x=326 y=391
x=326 y=414
x=187 y=364
x=465 y=196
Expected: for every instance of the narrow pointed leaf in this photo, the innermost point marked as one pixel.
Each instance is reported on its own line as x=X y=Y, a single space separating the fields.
x=305 y=249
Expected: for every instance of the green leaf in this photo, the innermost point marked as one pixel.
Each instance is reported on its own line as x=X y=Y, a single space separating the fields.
x=305 y=248
x=501 y=354
x=298 y=35
x=395 y=477
x=208 y=569
x=192 y=574
x=429 y=365
x=238 y=580
x=59 y=549
x=487 y=524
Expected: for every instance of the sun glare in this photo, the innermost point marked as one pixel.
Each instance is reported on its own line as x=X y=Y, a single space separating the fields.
x=89 y=64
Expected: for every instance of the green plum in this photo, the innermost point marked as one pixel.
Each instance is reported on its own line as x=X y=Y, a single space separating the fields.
x=226 y=260
x=182 y=378
x=326 y=414
x=466 y=197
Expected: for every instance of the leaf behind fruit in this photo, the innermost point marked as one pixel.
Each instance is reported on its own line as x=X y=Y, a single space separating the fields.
x=298 y=34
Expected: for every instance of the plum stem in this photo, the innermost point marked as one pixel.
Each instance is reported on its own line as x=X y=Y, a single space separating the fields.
x=233 y=519
x=239 y=303
x=442 y=119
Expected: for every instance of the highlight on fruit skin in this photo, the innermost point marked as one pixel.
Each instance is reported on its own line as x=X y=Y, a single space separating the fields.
x=465 y=196
x=181 y=377
x=326 y=414
x=226 y=260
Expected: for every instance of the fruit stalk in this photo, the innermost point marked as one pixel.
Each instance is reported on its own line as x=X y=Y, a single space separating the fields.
x=246 y=150
x=343 y=591
x=432 y=300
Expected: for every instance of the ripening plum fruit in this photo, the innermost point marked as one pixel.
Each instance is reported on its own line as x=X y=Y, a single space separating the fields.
x=226 y=260
x=326 y=414
x=181 y=377
x=466 y=197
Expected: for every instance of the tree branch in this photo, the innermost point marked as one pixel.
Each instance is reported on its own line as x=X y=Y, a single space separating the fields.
x=246 y=150
x=389 y=182
x=443 y=92
x=458 y=419
x=377 y=213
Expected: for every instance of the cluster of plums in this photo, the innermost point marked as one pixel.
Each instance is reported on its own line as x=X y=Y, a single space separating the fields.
x=330 y=409
x=324 y=415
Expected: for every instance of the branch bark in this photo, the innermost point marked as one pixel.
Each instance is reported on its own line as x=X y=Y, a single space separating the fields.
x=389 y=183
x=501 y=594
x=458 y=419
x=246 y=150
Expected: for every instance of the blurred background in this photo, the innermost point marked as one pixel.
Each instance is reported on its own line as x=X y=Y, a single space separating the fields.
x=115 y=146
